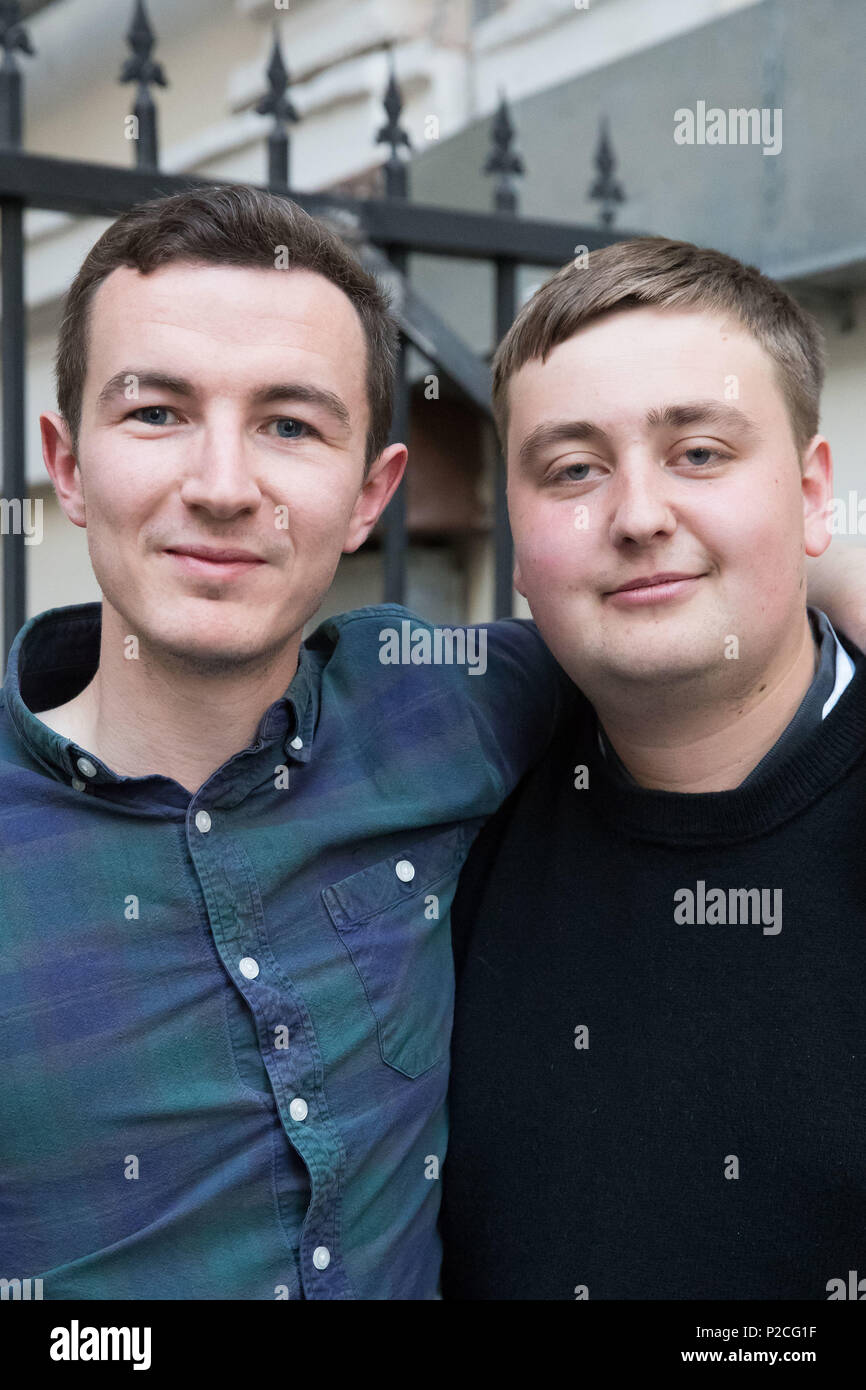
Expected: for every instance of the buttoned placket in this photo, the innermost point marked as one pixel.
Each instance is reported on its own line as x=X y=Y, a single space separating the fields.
x=234 y=916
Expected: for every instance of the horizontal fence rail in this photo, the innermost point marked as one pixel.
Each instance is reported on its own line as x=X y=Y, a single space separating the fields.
x=105 y=190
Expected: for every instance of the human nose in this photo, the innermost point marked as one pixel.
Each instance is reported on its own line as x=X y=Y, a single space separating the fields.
x=641 y=506
x=220 y=477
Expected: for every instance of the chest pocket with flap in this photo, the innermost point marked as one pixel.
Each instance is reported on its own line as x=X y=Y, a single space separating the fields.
x=394 y=919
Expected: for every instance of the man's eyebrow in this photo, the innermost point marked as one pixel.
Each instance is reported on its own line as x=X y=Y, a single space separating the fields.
x=127 y=378
x=709 y=412
x=558 y=432
x=306 y=395
x=301 y=392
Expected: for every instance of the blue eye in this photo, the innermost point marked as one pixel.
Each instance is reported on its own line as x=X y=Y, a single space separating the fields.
x=572 y=473
x=701 y=449
x=292 y=425
x=146 y=410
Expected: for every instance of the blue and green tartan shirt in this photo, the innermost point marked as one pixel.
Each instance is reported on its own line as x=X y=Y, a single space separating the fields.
x=225 y=1018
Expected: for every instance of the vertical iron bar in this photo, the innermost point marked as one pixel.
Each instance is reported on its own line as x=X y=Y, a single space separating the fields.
x=144 y=111
x=396 y=174
x=278 y=159
x=13 y=36
x=396 y=540
x=503 y=586
x=14 y=480
x=10 y=102
x=506 y=165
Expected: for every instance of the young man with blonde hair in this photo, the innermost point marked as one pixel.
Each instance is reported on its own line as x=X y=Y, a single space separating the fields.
x=658 y=1058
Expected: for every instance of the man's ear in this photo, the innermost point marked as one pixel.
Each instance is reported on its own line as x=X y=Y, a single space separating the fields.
x=62 y=465
x=817 y=487
x=379 y=487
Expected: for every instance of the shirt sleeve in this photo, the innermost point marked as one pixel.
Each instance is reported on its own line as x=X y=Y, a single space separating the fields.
x=517 y=702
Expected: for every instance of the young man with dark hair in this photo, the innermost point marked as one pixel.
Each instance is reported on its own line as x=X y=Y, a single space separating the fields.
x=658 y=1059
x=227 y=857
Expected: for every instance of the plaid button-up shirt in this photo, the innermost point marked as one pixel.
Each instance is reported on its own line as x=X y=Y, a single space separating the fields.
x=225 y=1018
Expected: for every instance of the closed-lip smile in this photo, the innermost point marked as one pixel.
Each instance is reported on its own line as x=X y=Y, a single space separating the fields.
x=214 y=555
x=653 y=590
x=650 y=580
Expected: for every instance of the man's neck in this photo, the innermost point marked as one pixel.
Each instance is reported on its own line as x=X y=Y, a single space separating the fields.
x=690 y=745
x=155 y=715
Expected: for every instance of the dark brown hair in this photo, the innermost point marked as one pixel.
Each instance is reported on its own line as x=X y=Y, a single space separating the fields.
x=678 y=275
x=233 y=225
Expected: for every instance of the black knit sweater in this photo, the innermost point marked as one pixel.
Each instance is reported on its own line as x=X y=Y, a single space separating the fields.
x=659 y=1078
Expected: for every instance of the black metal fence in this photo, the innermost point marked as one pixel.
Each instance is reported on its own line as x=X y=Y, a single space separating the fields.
x=390 y=228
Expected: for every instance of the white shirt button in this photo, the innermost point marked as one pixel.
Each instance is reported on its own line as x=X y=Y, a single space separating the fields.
x=321 y=1257
x=86 y=767
x=249 y=967
x=78 y=785
x=404 y=870
x=202 y=821
x=298 y=1109
x=296 y=743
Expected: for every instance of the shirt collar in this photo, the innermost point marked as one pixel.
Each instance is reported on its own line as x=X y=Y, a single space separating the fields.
x=56 y=653
x=844 y=664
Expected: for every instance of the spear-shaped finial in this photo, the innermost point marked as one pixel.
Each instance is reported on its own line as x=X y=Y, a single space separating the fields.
x=142 y=67
x=503 y=160
x=606 y=188
x=278 y=104
x=13 y=36
x=393 y=134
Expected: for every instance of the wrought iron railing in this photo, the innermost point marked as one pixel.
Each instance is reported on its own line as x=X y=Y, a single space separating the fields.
x=390 y=229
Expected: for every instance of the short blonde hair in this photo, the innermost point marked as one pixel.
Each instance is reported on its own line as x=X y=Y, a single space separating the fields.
x=658 y=272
